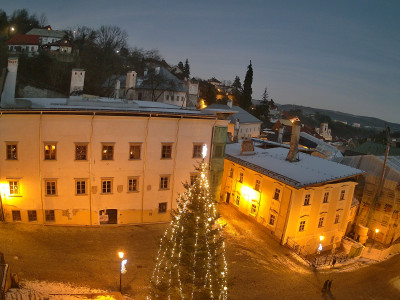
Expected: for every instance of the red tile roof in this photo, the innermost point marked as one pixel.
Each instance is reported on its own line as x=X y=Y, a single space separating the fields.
x=23 y=39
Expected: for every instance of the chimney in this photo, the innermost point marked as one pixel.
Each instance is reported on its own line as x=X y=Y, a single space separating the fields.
x=280 y=134
x=117 y=87
x=294 y=143
x=229 y=103
x=130 y=80
x=247 y=147
x=8 y=95
x=77 y=82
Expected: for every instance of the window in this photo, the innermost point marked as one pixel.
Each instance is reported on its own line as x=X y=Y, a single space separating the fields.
x=272 y=220
x=49 y=215
x=80 y=187
x=237 y=200
x=219 y=151
x=302 y=226
x=197 y=150
x=164 y=182
x=132 y=184
x=166 y=151
x=80 y=151
x=51 y=187
x=326 y=197
x=32 y=216
x=167 y=97
x=231 y=173
x=253 y=209
x=321 y=222
x=241 y=177
x=50 y=151
x=162 y=207
x=12 y=152
x=134 y=151
x=14 y=187
x=172 y=97
x=307 y=200
x=276 y=194
x=107 y=152
x=16 y=215
x=106 y=186
x=342 y=194
x=177 y=98
x=337 y=218
x=193 y=178
x=258 y=185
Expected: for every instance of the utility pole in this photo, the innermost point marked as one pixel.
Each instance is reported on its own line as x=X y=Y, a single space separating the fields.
x=381 y=182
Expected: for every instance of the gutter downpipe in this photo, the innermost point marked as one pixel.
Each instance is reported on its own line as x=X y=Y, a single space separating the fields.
x=174 y=162
x=40 y=167
x=90 y=170
x=144 y=164
x=284 y=238
x=2 y=216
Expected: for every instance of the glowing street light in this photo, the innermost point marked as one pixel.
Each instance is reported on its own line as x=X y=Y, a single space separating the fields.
x=376 y=232
x=123 y=268
x=12 y=28
x=321 y=238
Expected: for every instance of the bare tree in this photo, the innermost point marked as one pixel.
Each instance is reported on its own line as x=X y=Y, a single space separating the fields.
x=111 y=38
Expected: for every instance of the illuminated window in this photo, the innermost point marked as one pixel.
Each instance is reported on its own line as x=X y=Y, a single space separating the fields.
x=272 y=220
x=32 y=215
x=337 y=218
x=241 y=177
x=326 y=197
x=237 y=200
x=107 y=152
x=134 y=151
x=193 y=178
x=16 y=215
x=80 y=151
x=51 y=187
x=132 y=184
x=321 y=222
x=50 y=215
x=162 y=207
x=197 y=150
x=12 y=151
x=302 y=226
x=307 y=200
x=166 y=151
x=342 y=194
x=258 y=185
x=80 y=187
x=14 y=187
x=106 y=186
x=231 y=173
x=253 y=209
x=50 y=151
x=276 y=194
x=164 y=182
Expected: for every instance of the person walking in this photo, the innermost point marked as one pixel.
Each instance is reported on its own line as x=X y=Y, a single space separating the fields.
x=329 y=285
x=325 y=288
x=333 y=262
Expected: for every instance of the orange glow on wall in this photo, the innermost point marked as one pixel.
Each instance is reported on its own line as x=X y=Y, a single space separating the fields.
x=4 y=189
x=249 y=193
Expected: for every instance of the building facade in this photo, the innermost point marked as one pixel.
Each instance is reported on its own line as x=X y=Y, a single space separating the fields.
x=297 y=201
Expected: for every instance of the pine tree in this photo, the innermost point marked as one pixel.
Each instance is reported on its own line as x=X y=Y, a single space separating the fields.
x=191 y=260
x=186 y=69
x=245 y=100
x=237 y=90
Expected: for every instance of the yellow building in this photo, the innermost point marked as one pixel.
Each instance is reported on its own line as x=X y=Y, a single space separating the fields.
x=99 y=161
x=299 y=201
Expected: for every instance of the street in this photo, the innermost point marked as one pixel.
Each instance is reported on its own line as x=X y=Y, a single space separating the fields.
x=259 y=267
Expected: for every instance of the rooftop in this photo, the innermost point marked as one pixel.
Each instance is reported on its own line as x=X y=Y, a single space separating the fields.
x=23 y=39
x=240 y=114
x=308 y=171
x=48 y=33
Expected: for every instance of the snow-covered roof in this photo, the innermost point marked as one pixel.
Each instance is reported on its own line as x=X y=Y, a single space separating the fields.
x=48 y=33
x=243 y=116
x=308 y=171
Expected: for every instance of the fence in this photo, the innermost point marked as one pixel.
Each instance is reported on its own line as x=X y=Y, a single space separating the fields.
x=3 y=276
x=299 y=250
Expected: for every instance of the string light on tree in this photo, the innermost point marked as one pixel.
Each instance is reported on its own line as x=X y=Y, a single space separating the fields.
x=191 y=261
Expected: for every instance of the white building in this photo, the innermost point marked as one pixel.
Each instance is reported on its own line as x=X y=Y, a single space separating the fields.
x=47 y=36
x=324 y=131
x=99 y=161
x=22 y=43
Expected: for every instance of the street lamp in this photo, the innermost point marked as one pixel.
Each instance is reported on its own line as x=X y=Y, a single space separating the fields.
x=376 y=232
x=321 y=238
x=122 y=269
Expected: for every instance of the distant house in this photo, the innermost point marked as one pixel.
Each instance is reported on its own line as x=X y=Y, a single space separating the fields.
x=242 y=124
x=22 y=43
x=63 y=46
x=47 y=36
x=324 y=131
x=298 y=202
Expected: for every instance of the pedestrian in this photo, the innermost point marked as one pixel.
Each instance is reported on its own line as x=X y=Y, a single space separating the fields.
x=329 y=285
x=325 y=286
x=333 y=262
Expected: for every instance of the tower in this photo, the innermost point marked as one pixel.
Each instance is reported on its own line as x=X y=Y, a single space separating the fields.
x=77 y=82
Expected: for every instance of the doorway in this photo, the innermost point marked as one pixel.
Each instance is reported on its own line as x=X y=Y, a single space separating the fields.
x=228 y=196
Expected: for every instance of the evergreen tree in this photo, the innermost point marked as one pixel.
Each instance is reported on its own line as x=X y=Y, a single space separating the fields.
x=186 y=69
x=191 y=260
x=237 y=90
x=245 y=100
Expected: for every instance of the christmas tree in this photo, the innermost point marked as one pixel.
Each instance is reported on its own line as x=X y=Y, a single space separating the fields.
x=191 y=260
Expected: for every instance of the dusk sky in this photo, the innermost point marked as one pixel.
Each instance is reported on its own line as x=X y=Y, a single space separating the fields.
x=341 y=55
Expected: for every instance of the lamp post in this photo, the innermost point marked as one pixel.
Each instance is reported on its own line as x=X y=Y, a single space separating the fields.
x=376 y=232
x=122 y=269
